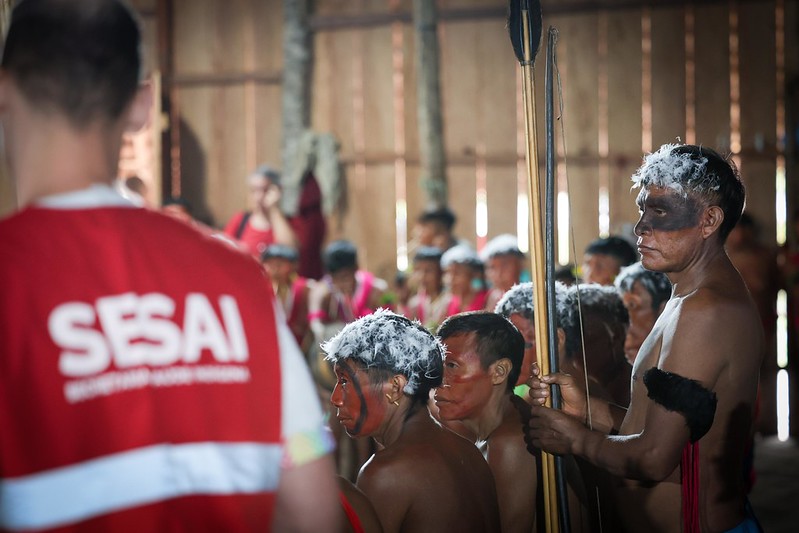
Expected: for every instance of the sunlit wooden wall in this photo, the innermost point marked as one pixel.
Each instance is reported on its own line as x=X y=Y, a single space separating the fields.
x=633 y=78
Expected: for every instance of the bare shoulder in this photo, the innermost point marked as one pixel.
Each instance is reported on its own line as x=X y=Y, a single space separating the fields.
x=507 y=449
x=362 y=507
x=381 y=471
x=388 y=485
x=710 y=329
x=717 y=308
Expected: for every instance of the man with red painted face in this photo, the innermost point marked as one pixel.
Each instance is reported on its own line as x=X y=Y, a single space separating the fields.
x=695 y=379
x=423 y=477
x=484 y=353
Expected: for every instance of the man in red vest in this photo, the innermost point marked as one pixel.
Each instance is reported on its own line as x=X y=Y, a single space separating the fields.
x=145 y=384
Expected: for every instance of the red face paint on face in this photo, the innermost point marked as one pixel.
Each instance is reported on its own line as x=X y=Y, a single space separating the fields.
x=527 y=329
x=467 y=385
x=360 y=408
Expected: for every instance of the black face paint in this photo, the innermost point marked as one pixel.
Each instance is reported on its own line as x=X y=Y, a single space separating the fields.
x=666 y=212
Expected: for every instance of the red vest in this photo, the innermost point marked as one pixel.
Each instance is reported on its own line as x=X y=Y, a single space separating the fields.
x=139 y=376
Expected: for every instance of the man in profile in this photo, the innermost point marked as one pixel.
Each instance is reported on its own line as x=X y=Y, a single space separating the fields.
x=146 y=383
x=695 y=378
x=484 y=353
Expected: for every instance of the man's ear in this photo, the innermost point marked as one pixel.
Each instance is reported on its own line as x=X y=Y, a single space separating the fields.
x=397 y=385
x=140 y=107
x=500 y=370
x=711 y=220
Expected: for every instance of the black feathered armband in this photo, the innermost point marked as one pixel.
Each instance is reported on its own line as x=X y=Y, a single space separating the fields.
x=684 y=396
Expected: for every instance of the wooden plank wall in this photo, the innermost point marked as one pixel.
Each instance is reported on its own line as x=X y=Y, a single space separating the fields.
x=626 y=88
x=226 y=58
x=603 y=64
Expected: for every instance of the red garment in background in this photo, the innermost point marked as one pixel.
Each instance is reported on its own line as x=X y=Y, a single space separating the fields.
x=254 y=240
x=310 y=227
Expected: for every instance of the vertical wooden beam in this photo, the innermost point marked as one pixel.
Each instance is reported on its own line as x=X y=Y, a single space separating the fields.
x=431 y=133
x=668 y=76
x=624 y=114
x=580 y=35
x=758 y=112
x=296 y=99
x=712 y=76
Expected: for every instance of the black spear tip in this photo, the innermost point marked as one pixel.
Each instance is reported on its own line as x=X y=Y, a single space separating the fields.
x=517 y=11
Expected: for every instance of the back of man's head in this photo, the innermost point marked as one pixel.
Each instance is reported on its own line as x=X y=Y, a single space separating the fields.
x=494 y=338
x=76 y=58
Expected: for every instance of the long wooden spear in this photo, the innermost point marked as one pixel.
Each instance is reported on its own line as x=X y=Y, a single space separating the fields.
x=525 y=26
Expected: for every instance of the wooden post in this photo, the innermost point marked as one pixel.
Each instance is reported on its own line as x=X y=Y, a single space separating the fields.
x=296 y=99
x=431 y=132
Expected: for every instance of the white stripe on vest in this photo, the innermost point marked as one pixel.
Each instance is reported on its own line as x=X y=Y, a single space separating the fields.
x=138 y=477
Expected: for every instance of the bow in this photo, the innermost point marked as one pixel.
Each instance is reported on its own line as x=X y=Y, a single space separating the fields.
x=525 y=27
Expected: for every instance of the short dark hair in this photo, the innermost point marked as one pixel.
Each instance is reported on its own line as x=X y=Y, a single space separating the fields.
x=339 y=255
x=700 y=171
x=495 y=337
x=616 y=247
x=80 y=59
x=440 y=215
x=179 y=201
x=280 y=251
x=657 y=284
x=269 y=172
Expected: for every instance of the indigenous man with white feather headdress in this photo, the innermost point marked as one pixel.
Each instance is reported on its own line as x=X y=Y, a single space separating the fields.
x=695 y=379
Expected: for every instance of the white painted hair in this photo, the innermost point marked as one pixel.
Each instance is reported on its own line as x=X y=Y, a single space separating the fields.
x=460 y=254
x=670 y=170
x=519 y=299
x=500 y=245
x=388 y=341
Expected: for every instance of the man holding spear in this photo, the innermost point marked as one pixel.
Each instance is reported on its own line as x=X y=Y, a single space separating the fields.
x=695 y=378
